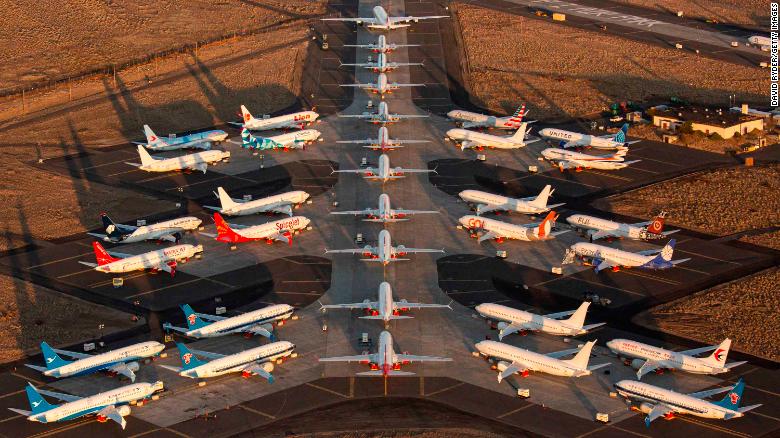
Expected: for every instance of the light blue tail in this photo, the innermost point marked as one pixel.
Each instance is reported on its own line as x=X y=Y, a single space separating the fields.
x=249 y=141
x=52 y=359
x=37 y=403
x=193 y=320
x=733 y=399
x=620 y=137
x=188 y=360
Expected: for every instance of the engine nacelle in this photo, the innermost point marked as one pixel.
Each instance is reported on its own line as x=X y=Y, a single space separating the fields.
x=637 y=364
x=123 y=410
x=133 y=366
x=645 y=408
x=501 y=366
x=502 y=325
x=267 y=366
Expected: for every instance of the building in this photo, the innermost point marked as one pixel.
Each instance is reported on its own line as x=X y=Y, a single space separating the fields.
x=707 y=120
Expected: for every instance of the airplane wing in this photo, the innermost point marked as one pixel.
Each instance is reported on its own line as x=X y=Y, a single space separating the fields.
x=200 y=167
x=368 y=85
x=402 y=211
x=487 y=236
x=562 y=353
x=367 y=211
x=415 y=358
x=352 y=20
x=255 y=368
x=366 y=141
x=410 y=141
x=60 y=395
x=72 y=353
x=409 y=116
x=123 y=369
x=347 y=251
x=398 y=169
x=469 y=144
x=647 y=367
x=604 y=265
x=360 y=171
x=511 y=328
x=395 y=20
x=421 y=250
x=710 y=392
x=560 y=315
x=356 y=358
x=284 y=209
x=515 y=367
x=363 y=305
x=603 y=234
x=658 y=411
x=699 y=350
x=208 y=317
x=650 y=251
x=407 y=305
x=119 y=255
x=112 y=413
x=355 y=116
x=485 y=208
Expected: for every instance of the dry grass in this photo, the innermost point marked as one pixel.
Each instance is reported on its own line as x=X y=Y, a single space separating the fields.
x=741 y=12
x=47 y=39
x=770 y=239
x=747 y=311
x=26 y=318
x=566 y=72
x=719 y=202
x=694 y=141
x=439 y=433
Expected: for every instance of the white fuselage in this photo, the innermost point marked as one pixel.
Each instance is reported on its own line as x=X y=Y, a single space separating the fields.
x=382 y=171
x=666 y=359
x=105 y=360
x=154 y=231
x=582 y=140
x=151 y=259
x=577 y=159
x=760 y=41
x=296 y=139
x=616 y=256
x=534 y=361
x=681 y=403
x=263 y=205
x=200 y=140
x=619 y=229
x=94 y=403
x=185 y=161
x=266 y=315
x=481 y=139
x=469 y=119
x=501 y=203
x=530 y=321
x=237 y=362
x=381 y=21
x=503 y=229
x=270 y=229
x=298 y=119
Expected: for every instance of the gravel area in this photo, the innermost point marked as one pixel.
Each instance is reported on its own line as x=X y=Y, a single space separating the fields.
x=750 y=13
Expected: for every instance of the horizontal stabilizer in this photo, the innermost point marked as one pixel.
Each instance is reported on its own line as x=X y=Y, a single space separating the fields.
x=20 y=412
x=389 y=373
x=171 y=368
x=734 y=364
x=390 y=317
x=35 y=367
x=168 y=326
x=749 y=408
x=91 y=265
x=677 y=262
x=590 y=327
x=595 y=367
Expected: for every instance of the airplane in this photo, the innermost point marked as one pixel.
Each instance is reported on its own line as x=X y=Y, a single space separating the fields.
x=598 y=228
x=497 y=230
x=282 y=203
x=280 y=230
x=383 y=171
x=122 y=361
x=381 y=86
x=256 y=322
x=660 y=402
x=286 y=141
x=385 y=362
x=257 y=361
x=513 y=360
x=382 y=65
x=109 y=405
x=385 y=308
x=380 y=20
x=382 y=141
x=198 y=140
x=569 y=139
x=564 y=159
x=468 y=119
x=650 y=358
x=761 y=41
x=384 y=252
x=603 y=257
x=484 y=202
x=384 y=213
x=295 y=120
x=381 y=45
x=197 y=161
x=170 y=230
x=383 y=116
x=165 y=259
x=516 y=320
x=479 y=140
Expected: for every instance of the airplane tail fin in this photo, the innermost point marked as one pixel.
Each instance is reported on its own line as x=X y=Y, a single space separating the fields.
x=52 y=359
x=581 y=359
x=520 y=134
x=109 y=226
x=667 y=251
x=188 y=360
x=245 y=114
x=246 y=138
x=37 y=403
x=151 y=138
x=517 y=117
x=657 y=226
x=733 y=399
x=719 y=355
x=146 y=159
x=620 y=137
x=577 y=319
x=225 y=201
x=546 y=225
x=224 y=232
x=101 y=255
x=193 y=320
x=541 y=200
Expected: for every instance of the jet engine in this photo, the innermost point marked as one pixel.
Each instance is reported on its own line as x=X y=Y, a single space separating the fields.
x=645 y=408
x=268 y=326
x=637 y=364
x=502 y=325
x=267 y=367
x=502 y=365
x=123 y=410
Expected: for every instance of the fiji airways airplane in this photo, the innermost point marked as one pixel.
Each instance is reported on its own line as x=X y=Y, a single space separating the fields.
x=497 y=230
x=160 y=260
x=381 y=45
x=198 y=161
x=383 y=116
x=286 y=141
x=480 y=140
x=170 y=230
x=257 y=322
x=382 y=65
x=468 y=119
x=384 y=252
x=384 y=213
x=385 y=362
x=282 y=203
x=650 y=358
x=598 y=228
x=110 y=405
x=659 y=402
x=198 y=140
x=122 y=361
x=575 y=160
x=383 y=172
x=382 y=141
x=295 y=120
x=516 y=320
x=513 y=360
x=570 y=139
x=280 y=230
x=381 y=21
x=484 y=202
x=603 y=257
x=258 y=361
x=381 y=86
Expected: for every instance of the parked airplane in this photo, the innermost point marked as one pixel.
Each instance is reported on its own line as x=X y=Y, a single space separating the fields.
x=165 y=259
x=484 y=202
x=385 y=362
x=257 y=322
x=479 y=140
x=381 y=21
x=761 y=41
x=575 y=160
x=603 y=257
x=382 y=141
x=198 y=140
x=382 y=65
x=569 y=139
x=280 y=230
x=497 y=230
x=258 y=361
x=468 y=119
x=197 y=161
x=385 y=308
x=650 y=358
x=598 y=228
x=384 y=252
x=282 y=203
x=384 y=213
x=381 y=86
x=513 y=360
x=170 y=230
x=295 y=120
x=383 y=116
x=381 y=45
x=659 y=402
x=286 y=141
x=383 y=171
x=516 y=320
x=109 y=405
x=122 y=361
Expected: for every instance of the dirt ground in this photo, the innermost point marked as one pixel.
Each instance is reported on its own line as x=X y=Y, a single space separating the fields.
x=770 y=239
x=513 y=59
x=750 y=13
x=747 y=311
x=26 y=318
x=738 y=199
x=49 y=39
x=694 y=141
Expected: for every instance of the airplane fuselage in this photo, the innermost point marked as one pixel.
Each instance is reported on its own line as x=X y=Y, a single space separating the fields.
x=682 y=403
x=263 y=205
x=501 y=203
x=152 y=259
x=665 y=358
x=617 y=256
x=270 y=229
x=578 y=139
x=506 y=230
x=154 y=231
x=197 y=140
x=469 y=119
x=530 y=321
x=534 y=361
x=185 y=161
x=583 y=221
x=298 y=119
x=481 y=139
x=236 y=362
x=105 y=360
x=266 y=315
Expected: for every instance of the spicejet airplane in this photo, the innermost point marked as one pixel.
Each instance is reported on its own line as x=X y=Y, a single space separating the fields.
x=198 y=140
x=380 y=21
x=381 y=86
x=570 y=139
x=383 y=172
x=382 y=141
x=282 y=203
x=384 y=213
x=479 y=140
x=468 y=119
x=295 y=120
x=513 y=360
x=170 y=230
x=603 y=257
x=575 y=160
x=384 y=252
x=280 y=230
x=381 y=45
x=497 y=230
x=257 y=322
x=484 y=202
x=383 y=116
x=198 y=161
x=160 y=260
x=598 y=228
x=516 y=320
x=382 y=65
x=258 y=361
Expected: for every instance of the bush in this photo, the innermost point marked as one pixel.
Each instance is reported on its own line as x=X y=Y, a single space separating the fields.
x=686 y=128
x=716 y=136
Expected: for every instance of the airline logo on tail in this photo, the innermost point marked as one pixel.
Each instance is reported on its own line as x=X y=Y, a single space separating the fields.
x=517 y=117
x=102 y=256
x=668 y=250
x=191 y=319
x=734 y=397
x=35 y=404
x=186 y=357
x=718 y=355
x=620 y=137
